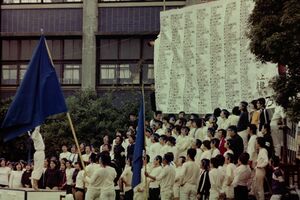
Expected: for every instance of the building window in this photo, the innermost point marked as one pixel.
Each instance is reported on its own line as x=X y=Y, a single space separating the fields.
x=119 y=61
x=65 y=53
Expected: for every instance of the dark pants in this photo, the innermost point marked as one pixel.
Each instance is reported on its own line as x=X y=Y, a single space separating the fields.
x=129 y=195
x=69 y=189
x=117 y=194
x=241 y=192
x=154 y=193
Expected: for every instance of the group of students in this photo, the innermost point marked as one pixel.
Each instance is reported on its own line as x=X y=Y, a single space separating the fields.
x=220 y=156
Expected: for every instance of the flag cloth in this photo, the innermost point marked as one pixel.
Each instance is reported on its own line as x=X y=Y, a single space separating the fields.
x=38 y=96
x=137 y=161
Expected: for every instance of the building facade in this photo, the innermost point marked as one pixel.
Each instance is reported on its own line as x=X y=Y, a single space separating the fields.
x=102 y=45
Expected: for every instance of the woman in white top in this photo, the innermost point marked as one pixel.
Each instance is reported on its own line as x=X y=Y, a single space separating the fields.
x=234 y=118
x=228 y=145
x=69 y=174
x=223 y=121
x=16 y=176
x=4 y=173
x=260 y=172
x=79 y=185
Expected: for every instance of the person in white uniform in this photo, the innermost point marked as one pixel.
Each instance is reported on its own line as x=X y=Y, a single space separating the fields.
x=178 y=177
x=92 y=187
x=214 y=179
x=229 y=176
x=38 y=157
x=190 y=177
x=16 y=176
x=251 y=148
x=166 y=178
x=4 y=173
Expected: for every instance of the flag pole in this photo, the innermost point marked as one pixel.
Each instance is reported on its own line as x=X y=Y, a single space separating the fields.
x=75 y=138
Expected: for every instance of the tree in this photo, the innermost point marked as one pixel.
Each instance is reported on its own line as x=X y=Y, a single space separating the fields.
x=275 y=37
x=93 y=117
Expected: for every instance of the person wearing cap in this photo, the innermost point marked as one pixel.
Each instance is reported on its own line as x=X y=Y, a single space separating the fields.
x=242 y=125
x=166 y=178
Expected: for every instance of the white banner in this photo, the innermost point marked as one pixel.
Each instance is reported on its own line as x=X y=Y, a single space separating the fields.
x=202 y=59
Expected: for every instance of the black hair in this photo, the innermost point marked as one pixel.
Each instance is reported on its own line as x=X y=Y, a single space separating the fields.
x=182 y=112
x=172 y=140
x=183 y=121
x=186 y=128
x=198 y=143
x=215 y=141
x=183 y=159
x=192 y=153
x=226 y=113
x=205 y=164
x=195 y=116
x=217 y=112
x=236 y=111
x=221 y=159
x=254 y=103
x=108 y=145
x=93 y=158
x=121 y=138
x=164 y=138
x=229 y=143
x=223 y=132
x=158 y=112
x=132 y=136
x=211 y=131
x=168 y=158
x=261 y=142
x=214 y=162
x=159 y=158
x=230 y=157
x=159 y=123
x=171 y=156
x=147 y=158
x=155 y=137
x=275 y=161
x=262 y=101
x=198 y=122
x=253 y=128
x=105 y=159
x=233 y=128
x=244 y=105
x=206 y=143
x=244 y=158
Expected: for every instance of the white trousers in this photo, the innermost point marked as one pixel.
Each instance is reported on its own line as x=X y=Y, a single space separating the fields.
x=166 y=195
x=108 y=195
x=244 y=136
x=259 y=183
x=38 y=168
x=188 y=192
x=92 y=194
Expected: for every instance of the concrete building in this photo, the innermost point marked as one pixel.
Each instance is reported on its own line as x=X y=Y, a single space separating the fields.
x=94 y=44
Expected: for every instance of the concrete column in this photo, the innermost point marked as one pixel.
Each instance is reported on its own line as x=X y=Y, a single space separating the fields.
x=90 y=26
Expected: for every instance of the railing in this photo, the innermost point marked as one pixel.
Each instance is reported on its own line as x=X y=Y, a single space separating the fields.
x=118 y=1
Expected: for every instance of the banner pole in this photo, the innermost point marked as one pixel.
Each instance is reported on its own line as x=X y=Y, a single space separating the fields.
x=75 y=138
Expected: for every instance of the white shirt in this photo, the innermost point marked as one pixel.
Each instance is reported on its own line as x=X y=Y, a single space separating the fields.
x=90 y=169
x=262 y=158
x=215 y=182
x=86 y=157
x=37 y=140
x=73 y=157
x=201 y=133
x=166 y=178
x=178 y=175
x=215 y=152
x=127 y=176
x=223 y=123
x=4 y=174
x=242 y=176
x=80 y=180
x=160 y=131
x=154 y=150
x=251 y=148
x=206 y=155
x=15 y=179
x=69 y=174
x=229 y=176
x=102 y=178
x=278 y=114
x=64 y=155
x=154 y=172
x=198 y=156
x=233 y=120
x=190 y=172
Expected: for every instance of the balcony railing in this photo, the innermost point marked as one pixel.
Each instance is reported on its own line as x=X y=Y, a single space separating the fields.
x=38 y=1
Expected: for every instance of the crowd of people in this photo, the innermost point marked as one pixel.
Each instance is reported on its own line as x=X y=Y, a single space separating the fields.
x=218 y=156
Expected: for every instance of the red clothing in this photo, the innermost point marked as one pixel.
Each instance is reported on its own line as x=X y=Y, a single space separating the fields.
x=222 y=148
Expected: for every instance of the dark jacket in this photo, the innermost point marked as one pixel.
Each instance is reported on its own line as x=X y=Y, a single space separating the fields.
x=243 y=122
x=263 y=118
x=204 y=185
x=237 y=146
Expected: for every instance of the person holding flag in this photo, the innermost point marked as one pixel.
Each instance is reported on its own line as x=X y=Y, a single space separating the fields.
x=38 y=97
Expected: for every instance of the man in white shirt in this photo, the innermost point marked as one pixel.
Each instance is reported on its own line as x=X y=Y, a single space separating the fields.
x=92 y=189
x=155 y=147
x=178 y=177
x=191 y=174
x=157 y=116
x=38 y=157
x=65 y=153
x=154 y=184
x=166 y=178
x=251 y=148
x=86 y=156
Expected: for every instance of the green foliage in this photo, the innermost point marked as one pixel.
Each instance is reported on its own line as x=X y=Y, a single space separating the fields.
x=93 y=117
x=275 y=37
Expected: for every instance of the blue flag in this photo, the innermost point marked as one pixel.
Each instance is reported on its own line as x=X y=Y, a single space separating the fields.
x=137 y=161
x=38 y=96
